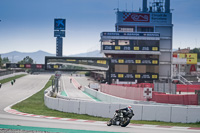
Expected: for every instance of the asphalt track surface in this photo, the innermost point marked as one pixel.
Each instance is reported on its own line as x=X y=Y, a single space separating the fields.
x=71 y=90
x=31 y=84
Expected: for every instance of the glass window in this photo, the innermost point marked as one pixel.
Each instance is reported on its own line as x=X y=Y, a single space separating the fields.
x=126 y=29
x=145 y=29
x=123 y=42
x=108 y=42
x=148 y=43
x=123 y=29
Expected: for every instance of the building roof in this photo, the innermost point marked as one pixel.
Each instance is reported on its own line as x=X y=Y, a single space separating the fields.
x=185 y=50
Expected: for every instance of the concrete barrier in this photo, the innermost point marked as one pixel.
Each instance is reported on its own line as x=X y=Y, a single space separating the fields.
x=193 y=114
x=149 y=112
x=166 y=113
x=179 y=114
x=163 y=113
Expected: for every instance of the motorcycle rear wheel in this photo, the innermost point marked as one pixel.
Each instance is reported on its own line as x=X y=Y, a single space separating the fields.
x=125 y=123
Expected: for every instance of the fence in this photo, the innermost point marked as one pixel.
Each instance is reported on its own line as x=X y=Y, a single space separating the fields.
x=175 y=99
x=165 y=87
x=2 y=73
x=187 y=88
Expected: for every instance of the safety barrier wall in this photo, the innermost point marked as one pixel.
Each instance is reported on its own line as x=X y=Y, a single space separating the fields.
x=183 y=114
x=109 y=98
x=133 y=93
x=187 y=88
x=191 y=99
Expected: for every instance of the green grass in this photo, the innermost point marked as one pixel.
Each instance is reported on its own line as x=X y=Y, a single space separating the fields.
x=35 y=105
x=12 y=78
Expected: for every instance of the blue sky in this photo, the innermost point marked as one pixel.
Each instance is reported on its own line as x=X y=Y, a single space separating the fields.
x=27 y=25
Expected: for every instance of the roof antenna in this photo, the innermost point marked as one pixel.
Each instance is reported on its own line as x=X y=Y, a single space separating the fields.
x=118 y=6
x=126 y=6
x=132 y=6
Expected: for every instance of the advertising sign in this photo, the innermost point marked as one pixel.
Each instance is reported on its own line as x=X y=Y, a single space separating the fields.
x=59 y=33
x=191 y=57
x=146 y=76
x=136 y=17
x=59 y=24
x=28 y=65
x=130 y=34
x=147 y=92
x=77 y=63
x=136 y=61
x=129 y=48
x=39 y=66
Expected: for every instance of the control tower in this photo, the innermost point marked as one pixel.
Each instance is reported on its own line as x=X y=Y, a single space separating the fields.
x=141 y=45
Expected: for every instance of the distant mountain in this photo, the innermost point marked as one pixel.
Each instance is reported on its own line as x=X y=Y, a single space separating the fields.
x=174 y=49
x=39 y=56
x=95 y=53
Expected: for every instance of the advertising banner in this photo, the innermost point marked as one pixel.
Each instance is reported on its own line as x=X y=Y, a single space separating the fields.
x=59 y=33
x=77 y=63
x=191 y=57
x=146 y=76
x=136 y=61
x=130 y=34
x=136 y=17
x=59 y=24
x=129 y=48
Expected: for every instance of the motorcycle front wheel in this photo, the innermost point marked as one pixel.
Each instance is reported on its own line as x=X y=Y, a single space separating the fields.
x=109 y=123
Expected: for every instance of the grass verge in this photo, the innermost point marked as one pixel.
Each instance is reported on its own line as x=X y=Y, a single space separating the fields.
x=35 y=105
x=11 y=78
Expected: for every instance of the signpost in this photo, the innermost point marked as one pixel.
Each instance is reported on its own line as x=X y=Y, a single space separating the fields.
x=147 y=93
x=59 y=32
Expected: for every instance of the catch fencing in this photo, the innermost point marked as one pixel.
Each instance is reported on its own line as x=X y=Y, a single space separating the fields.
x=165 y=87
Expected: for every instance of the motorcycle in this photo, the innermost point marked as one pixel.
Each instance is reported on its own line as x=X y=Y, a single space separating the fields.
x=121 y=118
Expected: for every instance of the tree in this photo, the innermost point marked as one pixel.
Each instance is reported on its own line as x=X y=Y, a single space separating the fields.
x=5 y=60
x=0 y=61
x=196 y=50
x=26 y=60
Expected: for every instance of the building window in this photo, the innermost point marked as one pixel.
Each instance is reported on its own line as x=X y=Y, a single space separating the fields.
x=123 y=42
x=126 y=29
x=108 y=42
x=148 y=43
x=145 y=29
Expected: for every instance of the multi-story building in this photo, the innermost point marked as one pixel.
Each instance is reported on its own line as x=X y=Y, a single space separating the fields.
x=141 y=46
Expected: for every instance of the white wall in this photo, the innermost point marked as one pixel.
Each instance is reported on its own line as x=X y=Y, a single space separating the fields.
x=166 y=113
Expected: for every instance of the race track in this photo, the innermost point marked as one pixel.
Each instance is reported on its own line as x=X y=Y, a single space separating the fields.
x=30 y=84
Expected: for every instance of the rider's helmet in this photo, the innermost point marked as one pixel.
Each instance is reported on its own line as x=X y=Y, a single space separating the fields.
x=129 y=107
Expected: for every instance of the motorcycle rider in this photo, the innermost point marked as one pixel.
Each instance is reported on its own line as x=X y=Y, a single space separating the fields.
x=125 y=111
x=121 y=117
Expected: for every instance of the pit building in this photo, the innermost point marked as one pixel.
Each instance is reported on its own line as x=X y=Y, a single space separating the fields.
x=140 y=48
